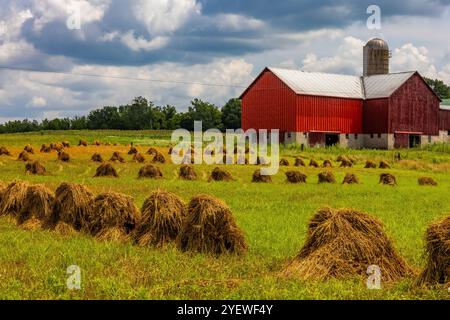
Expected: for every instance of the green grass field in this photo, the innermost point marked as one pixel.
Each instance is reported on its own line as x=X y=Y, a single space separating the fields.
x=273 y=216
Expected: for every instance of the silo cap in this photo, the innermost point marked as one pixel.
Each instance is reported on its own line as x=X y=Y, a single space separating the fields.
x=377 y=43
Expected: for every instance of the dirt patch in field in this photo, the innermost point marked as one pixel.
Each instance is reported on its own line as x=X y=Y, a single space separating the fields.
x=295 y=177
x=63 y=156
x=106 y=170
x=117 y=157
x=284 y=162
x=326 y=177
x=13 y=197
x=150 y=171
x=35 y=168
x=299 y=162
x=350 y=178
x=437 y=269
x=210 y=228
x=258 y=177
x=344 y=242
x=427 y=181
x=4 y=151
x=313 y=163
x=163 y=214
x=97 y=157
x=384 y=165
x=220 y=175
x=115 y=216
x=37 y=207
x=72 y=206
x=187 y=173
x=23 y=156
x=370 y=165
x=388 y=179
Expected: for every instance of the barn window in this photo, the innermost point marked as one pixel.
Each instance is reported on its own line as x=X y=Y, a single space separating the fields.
x=356 y=136
x=289 y=135
x=379 y=136
x=429 y=139
x=371 y=136
x=347 y=136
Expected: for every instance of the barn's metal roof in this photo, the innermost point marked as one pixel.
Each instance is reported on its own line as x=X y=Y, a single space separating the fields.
x=342 y=86
x=384 y=85
x=321 y=84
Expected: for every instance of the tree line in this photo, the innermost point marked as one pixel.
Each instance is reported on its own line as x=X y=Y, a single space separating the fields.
x=140 y=114
x=441 y=89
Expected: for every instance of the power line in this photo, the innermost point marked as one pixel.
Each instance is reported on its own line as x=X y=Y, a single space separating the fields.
x=121 y=78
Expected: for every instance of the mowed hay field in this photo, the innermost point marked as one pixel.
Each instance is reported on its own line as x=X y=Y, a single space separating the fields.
x=273 y=216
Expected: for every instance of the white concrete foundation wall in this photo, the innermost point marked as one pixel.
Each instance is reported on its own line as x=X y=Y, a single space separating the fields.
x=441 y=138
x=376 y=141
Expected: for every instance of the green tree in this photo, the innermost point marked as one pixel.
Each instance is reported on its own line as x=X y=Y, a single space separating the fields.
x=441 y=89
x=209 y=114
x=231 y=114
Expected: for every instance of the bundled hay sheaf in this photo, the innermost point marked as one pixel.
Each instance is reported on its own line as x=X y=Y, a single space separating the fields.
x=370 y=165
x=133 y=150
x=187 y=173
x=63 y=156
x=139 y=158
x=23 y=156
x=327 y=164
x=116 y=157
x=152 y=151
x=4 y=151
x=115 y=216
x=13 y=197
x=73 y=206
x=346 y=163
x=437 y=269
x=258 y=177
x=37 y=207
x=210 y=228
x=284 y=162
x=384 y=165
x=82 y=143
x=262 y=161
x=159 y=158
x=97 y=157
x=344 y=242
x=299 y=162
x=427 y=181
x=163 y=214
x=29 y=149
x=150 y=171
x=295 y=177
x=66 y=144
x=106 y=170
x=388 y=179
x=350 y=178
x=220 y=175
x=326 y=177
x=97 y=143
x=35 y=168
x=45 y=149
x=2 y=189
x=313 y=163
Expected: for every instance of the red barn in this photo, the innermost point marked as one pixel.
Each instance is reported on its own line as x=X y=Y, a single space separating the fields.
x=376 y=111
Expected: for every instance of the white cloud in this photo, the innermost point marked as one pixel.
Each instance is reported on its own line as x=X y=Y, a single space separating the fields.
x=165 y=16
x=411 y=58
x=38 y=102
x=236 y=22
x=140 y=43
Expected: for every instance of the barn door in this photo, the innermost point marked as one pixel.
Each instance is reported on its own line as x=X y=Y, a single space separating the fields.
x=316 y=138
x=401 y=140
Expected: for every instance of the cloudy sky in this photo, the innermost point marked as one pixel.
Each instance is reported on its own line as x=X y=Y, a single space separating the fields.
x=188 y=44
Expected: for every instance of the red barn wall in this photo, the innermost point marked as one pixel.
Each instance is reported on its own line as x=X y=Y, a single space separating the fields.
x=444 y=120
x=414 y=108
x=328 y=114
x=269 y=104
x=376 y=116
